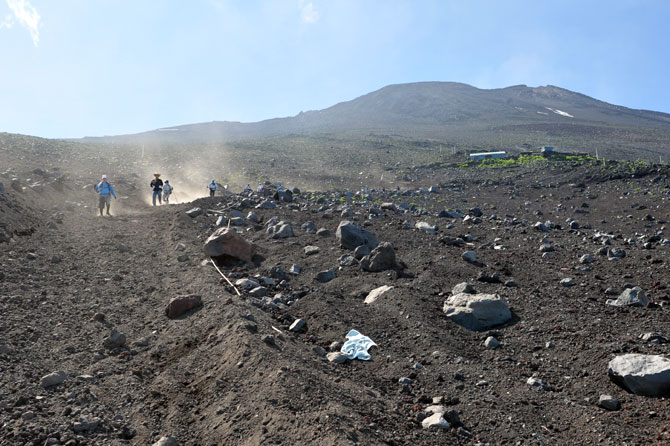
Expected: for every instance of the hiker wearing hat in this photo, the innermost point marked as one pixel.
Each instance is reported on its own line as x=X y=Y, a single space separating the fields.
x=105 y=192
x=157 y=185
x=212 y=188
x=167 y=191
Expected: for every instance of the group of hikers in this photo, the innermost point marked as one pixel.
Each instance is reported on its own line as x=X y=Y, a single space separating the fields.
x=161 y=191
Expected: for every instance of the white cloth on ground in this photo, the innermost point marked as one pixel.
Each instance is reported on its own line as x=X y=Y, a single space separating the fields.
x=357 y=346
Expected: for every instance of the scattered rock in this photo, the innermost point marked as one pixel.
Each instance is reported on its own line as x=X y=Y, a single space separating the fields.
x=166 y=441
x=568 y=282
x=647 y=375
x=325 y=276
x=633 y=297
x=463 y=287
x=53 y=379
x=435 y=421
x=477 y=311
x=336 y=357
x=380 y=259
x=181 y=304
x=609 y=402
x=376 y=293
x=114 y=340
x=194 y=212
x=426 y=227
x=297 y=325
x=491 y=343
x=227 y=243
x=311 y=250
x=351 y=236
x=469 y=256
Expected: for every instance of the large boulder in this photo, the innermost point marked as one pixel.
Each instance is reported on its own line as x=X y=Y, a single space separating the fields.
x=477 y=311
x=351 y=236
x=380 y=259
x=647 y=375
x=226 y=242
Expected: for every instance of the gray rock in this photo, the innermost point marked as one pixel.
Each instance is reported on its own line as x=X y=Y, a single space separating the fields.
x=449 y=214
x=252 y=217
x=194 y=212
x=346 y=260
x=586 y=259
x=405 y=381
x=311 y=250
x=568 y=282
x=309 y=227
x=380 y=259
x=616 y=253
x=229 y=244
x=426 y=227
x=647 y=375
x=477 y=311
x=167 y=441
x=651 y=338
x=469 y=256
x=361 y=252
x=435 y=421
x=491 y=343
x=325 y=276
x=221 y=221
x=463 y=287
x=540 y=227
x=633 y=297
x=295 y=270
x=351 y=236
x=336 y=357
x=608 y=402
x=114 y=340
x=181 y=304
x=53 y=379
x=319 y=351
x=281 y=230
x=536 y=382
x=323 y=232
x=376 y=293
x=297 y=325
x=258 y=292
x=86 y=425
x=267 y=204
x=246 y=284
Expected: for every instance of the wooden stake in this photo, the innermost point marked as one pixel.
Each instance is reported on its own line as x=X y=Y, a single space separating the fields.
x=224 y=276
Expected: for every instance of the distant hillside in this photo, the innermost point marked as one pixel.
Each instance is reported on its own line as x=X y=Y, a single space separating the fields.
x=437 y=110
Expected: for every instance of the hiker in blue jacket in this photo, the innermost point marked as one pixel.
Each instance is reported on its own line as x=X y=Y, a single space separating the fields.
x=106 y=191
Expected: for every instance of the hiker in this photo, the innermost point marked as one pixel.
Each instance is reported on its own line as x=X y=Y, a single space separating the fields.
x=157 y=185
x=106 y=192
x=248 y=188
x=260 y=188
x=212 y=188
x=167 y=190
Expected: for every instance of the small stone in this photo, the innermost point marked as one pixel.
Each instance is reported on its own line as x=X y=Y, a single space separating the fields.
x=297 y=325
x=325 y=276
x=336 y=357
x=609 y=402
x=463 y=287
x=114 y=340
x=435 y=421
x=586 y=259
x=469 y=256
x=405 y=381
x=376 y=293
x=166 y=441
x=180 y=305
x=536 y=382
x=311 y=250
x=491 y=343
x=568 y=282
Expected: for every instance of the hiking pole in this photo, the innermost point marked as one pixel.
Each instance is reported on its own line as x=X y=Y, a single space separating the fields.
x=224 y=276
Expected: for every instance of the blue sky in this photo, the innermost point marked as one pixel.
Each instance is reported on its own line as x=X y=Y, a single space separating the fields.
x=71 y=68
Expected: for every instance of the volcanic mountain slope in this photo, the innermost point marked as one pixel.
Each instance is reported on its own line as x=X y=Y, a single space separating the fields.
x=233 y=373
x=456 y=114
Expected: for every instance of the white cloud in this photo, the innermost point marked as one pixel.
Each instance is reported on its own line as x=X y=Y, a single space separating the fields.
x=27 y=16
x=307 y=12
